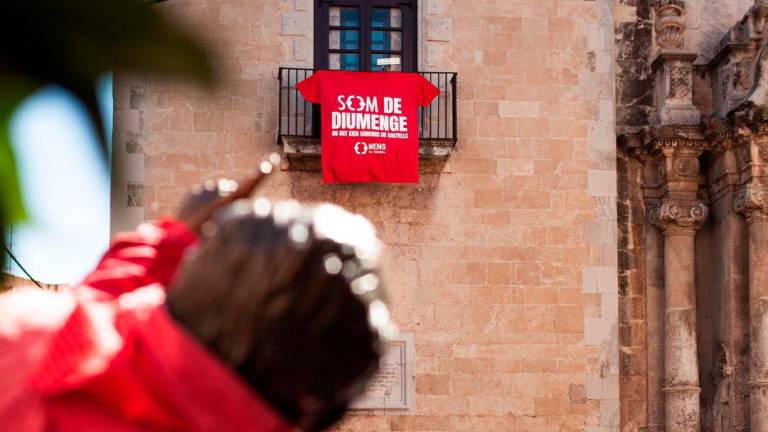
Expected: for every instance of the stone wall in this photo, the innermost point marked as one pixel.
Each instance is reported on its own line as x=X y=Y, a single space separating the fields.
x=505 y=260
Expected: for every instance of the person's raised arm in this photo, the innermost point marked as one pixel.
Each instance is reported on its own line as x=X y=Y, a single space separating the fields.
x=152 y=253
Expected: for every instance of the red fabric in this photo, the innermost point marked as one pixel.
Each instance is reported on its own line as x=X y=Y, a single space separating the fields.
x=370 y=124
x=107 y=356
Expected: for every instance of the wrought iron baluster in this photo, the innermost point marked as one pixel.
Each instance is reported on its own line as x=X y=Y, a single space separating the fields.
x=279 y=103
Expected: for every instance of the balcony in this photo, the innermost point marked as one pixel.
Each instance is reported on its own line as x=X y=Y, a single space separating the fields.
x=299 y=120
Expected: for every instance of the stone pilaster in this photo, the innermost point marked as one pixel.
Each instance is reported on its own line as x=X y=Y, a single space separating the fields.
x=679 y=221
x=752 y=201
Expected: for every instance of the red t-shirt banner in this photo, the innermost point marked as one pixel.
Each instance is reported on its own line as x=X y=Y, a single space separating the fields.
x=370 y=125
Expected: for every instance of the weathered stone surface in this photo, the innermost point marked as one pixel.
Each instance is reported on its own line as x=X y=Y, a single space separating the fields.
x=692 y=274
x=295 y=24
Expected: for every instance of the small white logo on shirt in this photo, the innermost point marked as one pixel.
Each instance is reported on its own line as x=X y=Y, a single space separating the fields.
x=361 y=148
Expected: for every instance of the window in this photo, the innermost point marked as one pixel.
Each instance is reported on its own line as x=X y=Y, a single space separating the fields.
x=365 y=35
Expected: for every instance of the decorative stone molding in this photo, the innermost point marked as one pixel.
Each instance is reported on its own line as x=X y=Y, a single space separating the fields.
x=671 y=215
x=752 y=201
x=679 y=143
x=677 y=168
x=680 y=80
x=670 y=24
x=687 y=167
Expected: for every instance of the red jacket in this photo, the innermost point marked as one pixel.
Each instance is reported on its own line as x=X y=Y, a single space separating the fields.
x=106 y=356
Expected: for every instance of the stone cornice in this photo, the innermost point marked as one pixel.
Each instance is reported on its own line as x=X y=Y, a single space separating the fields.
x=681 y=143
x=676 y=137
x=666 y=56
x=678 y=216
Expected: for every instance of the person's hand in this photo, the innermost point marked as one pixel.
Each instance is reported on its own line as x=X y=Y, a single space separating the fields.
x=201 y=203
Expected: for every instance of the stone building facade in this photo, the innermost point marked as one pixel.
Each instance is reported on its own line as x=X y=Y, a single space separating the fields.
x=587 y=257
x=503 y=259
x=692 y=215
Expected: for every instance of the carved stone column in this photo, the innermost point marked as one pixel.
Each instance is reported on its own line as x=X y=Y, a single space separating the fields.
x=679 y=216
x=753 y=203
x=679 y=221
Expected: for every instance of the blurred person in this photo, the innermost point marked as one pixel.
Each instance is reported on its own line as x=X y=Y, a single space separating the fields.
x=274 y=322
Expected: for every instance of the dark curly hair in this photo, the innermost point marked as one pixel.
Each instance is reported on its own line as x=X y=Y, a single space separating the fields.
x=291 y=297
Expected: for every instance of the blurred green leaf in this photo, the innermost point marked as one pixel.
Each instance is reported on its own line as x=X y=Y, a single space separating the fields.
x=11 y=203
x=12 y=92
x=72 y=43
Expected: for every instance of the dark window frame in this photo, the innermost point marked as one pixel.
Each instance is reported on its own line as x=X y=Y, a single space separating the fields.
x=409 y=37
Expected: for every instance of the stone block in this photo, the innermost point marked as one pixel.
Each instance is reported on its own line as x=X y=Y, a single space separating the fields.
x=597 y=331
x=577 y=394
x=434 y=54
x=599 y=233
x=439 y=29
x=603 y=62
x=601 y=135
x=519 y=109
x=610 y=386
x=594 y=387
x=134 y=194
x=301 y=48
x=609 y=305
x=434 y=7
x=569 y=319
x=295 y=24
x=515 y=167
x=595 y=39
x=301 y=5
x=609 y=412
x=601 y=183
x=128 y=120
x=600 y=280
x=212 y=121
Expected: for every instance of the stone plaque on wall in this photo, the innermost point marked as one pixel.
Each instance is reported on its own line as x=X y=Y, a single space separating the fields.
x=393 y=387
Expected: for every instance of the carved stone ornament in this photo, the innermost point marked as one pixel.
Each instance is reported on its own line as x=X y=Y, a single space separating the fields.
x=723 y=406
x=686 y=167
x=672 y=214
x=670 y=23
x=752 y=201
x=762 y=142
x=758 y=14
x=680 y=80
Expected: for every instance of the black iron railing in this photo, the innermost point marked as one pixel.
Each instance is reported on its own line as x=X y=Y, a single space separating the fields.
x=301 y=119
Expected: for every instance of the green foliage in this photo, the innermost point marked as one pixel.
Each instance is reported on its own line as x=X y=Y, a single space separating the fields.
x=11 y=204
x=71 y=43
